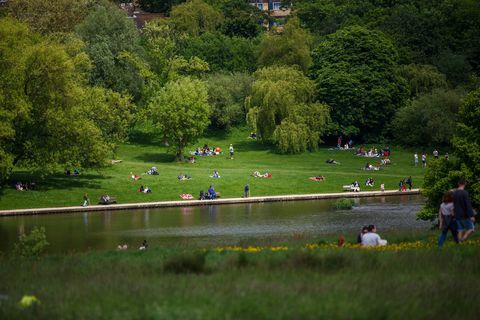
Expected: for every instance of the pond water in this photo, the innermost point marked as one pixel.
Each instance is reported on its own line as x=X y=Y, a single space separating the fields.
x=216 y=224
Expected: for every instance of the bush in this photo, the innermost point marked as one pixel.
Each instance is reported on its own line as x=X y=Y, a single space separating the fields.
x=344 y=204
x=186 y=263
x=32 y=244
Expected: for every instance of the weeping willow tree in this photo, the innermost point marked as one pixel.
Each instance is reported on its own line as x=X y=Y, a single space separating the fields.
x=282 y=110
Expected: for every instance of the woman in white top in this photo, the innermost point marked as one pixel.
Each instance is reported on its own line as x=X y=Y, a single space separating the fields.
x=371 y=238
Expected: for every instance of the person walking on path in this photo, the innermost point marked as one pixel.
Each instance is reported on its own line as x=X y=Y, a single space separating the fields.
x=246 y=192
x=231 y=151
x=415 y=158
x=409 y=182
x=424 y=160
x=446 y=218
x=463 y=211
x=85 y=199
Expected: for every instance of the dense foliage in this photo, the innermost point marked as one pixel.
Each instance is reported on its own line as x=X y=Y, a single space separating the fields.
x=355 y=71
x=443 y=175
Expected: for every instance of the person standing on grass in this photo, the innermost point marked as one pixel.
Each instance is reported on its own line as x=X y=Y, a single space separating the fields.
x=415 y=158
x=85 y=199
x=231 y=151
x=446 y=218
x=435 y=154
x=424 y=160
x=246 y=191
x=463 y=211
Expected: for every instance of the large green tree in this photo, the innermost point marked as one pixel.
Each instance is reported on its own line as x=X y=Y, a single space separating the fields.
x=290 y=47
x=428 y=120
x=242 y=19
x=195 y=17
x=442 y=175
x=44 y=113
x=50 y=16
x=356 y=74
x=282 y=109
x=163 y=6
x=181 y=112
x=108 y=35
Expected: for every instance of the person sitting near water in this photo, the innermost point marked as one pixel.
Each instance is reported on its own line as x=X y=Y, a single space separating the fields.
x=360 y=235
x=331 y=161
x=371 y=238
x=370 y=182
x=106 y=199
x=215 y=174
x=202 y=195
x=211 y=193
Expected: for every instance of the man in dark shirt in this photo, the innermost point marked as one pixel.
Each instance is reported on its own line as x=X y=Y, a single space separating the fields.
x=463 y=211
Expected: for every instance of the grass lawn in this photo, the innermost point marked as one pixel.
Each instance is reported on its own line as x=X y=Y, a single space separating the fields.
x=290 y=174
x=294 y=280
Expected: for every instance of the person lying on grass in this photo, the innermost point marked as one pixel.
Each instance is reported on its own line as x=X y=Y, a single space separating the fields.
x=370 y=167
x=134 y=176
x=317 y=178
x=370 y=182
x=257 y=174
x=144 y=189
x=331 y=161
x=152 y=171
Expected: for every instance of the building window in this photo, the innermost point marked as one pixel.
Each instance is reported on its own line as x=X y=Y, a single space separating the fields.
x=276 y=5
x=259 y=5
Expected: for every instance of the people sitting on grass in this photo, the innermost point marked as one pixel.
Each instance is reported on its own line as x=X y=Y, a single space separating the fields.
x=317 y=178
x=19 y=186
x=106 y=199
x=211 y=192
x=152 y=171
x=215 y=174
x=206 y=151
x=370 y=182
x=144 y=189
x=355 y=186
x=253 y=136
x=69 y=173
x=182 y=176
x=371 y=238
x=192 y=159
x=257 y=174
x=134 y=176
x=360 y=235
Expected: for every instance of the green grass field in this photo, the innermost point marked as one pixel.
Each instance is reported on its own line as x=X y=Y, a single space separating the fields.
x=294 y=280
x=290 y=174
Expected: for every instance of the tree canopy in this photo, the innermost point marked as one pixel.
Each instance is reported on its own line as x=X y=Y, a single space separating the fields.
x=355 y=71
x=181 y=112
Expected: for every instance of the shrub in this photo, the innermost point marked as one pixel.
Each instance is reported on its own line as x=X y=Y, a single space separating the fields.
x=32 y=244
x=344 y=204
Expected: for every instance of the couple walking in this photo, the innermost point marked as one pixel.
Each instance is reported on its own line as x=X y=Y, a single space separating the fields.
x=456 y=214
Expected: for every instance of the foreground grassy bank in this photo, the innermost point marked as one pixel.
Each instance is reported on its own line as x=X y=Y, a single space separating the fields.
x=302 y=280
x=290 y=174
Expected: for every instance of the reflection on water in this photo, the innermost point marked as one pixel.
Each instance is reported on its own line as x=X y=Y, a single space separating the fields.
x=170 y=226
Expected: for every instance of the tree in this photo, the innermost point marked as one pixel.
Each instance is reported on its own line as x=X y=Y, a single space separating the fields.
x=291 y=47
x=163 y=6
x=223 y=53
x=44 y=120
x=226 y=94
x=428 y=120
x=242 y=19
x=282 y=100
x=195 y=17
x=181 y=112
x=442 y=175
x=108 y=34
x=422 y=78
x=355 y=71
x=50 y=16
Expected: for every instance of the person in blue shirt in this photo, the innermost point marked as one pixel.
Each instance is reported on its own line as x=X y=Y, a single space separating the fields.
x=212 y=193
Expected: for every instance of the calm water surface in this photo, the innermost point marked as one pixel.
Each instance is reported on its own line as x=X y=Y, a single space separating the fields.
x=212 y=224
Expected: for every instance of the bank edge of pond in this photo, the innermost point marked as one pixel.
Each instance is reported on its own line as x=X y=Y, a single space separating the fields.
x=187 y=203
